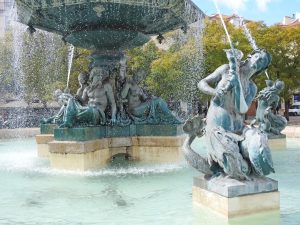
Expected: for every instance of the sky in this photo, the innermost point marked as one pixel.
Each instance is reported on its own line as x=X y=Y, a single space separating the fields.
x=269 y=11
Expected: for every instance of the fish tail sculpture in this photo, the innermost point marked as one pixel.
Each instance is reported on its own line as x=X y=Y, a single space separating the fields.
x=195 y=128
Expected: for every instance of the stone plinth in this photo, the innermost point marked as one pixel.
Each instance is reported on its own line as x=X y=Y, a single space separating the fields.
x=86 y=155
x=85 y=148
x=42 y=141
x=74 y=155
x=232 y=198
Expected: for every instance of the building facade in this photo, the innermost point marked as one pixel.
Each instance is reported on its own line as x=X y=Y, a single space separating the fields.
x=5 y=8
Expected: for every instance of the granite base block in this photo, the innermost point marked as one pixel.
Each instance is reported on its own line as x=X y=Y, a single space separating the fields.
x=86 y=155
x=232 y=198
x=232 y=188
x=42 y=142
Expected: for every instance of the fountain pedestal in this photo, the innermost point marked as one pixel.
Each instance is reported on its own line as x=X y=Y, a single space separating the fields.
x=44 y=138
x=86 y=148
x=233 y=198
x=87 y=155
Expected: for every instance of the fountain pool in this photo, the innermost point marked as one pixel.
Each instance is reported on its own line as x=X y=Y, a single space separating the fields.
x=134 y=193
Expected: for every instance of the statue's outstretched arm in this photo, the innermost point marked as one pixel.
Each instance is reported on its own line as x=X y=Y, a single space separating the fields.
x=214 y=78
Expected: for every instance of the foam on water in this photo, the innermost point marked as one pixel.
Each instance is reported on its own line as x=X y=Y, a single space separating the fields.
x=22 y=157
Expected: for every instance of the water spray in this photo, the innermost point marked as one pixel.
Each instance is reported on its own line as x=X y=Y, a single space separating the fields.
x=250 y=39
x=224 y=25
x=70 y=61
x=243 y=105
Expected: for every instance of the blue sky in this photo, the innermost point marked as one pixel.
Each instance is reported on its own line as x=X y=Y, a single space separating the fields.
x=269 y=11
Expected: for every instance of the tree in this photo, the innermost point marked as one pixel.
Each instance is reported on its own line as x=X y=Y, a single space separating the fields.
x=6 y=66
x=284 y=45
x=43 y=65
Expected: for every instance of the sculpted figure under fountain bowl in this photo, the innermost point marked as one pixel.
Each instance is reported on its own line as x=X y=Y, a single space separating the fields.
x=63 y=99
x=234 y=150
x=99 y=95
x=141 y=108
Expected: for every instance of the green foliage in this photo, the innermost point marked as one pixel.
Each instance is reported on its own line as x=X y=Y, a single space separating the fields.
x=43 y=64
x=284 y=45
x=141 y=58
x=6 y=66
x=80 y=64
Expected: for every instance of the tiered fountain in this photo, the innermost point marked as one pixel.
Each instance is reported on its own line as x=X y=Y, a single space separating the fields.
x=111 y=115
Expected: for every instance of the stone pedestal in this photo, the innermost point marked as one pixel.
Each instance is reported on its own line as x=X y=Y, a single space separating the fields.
x=73 y=155
x=42 y=141
x=87 y=155
x=232 y=198
x=86 y=148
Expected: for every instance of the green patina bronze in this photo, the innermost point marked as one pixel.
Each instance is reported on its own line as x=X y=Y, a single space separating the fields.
x=47 y=128
x=93 y=133
x=107 y=24
x=110 y=105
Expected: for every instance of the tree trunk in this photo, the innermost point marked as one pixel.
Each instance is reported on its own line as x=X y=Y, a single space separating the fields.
x=286 y=109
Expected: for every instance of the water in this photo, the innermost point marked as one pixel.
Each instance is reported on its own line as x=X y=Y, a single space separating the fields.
x=136 y=193
x=70 y=61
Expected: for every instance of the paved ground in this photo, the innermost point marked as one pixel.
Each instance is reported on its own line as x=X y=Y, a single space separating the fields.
x=294 y=121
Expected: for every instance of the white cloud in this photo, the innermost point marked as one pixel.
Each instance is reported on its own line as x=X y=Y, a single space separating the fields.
x=262 y=4
x=241 y=5
x=235 y=5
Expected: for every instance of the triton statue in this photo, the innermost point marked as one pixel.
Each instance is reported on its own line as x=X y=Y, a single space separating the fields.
x=234 y=150
x=99 y=95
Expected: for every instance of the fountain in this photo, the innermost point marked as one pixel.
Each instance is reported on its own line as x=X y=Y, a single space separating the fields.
x=233 y=181
x=112 y=115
